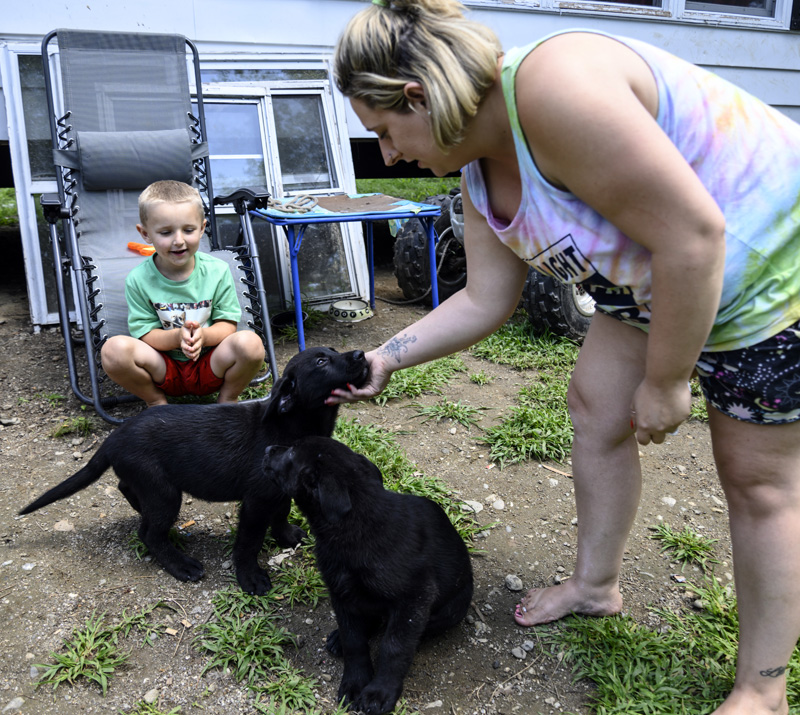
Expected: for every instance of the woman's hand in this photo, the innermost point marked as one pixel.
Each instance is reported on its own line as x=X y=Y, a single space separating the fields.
x=378 y=378
x=658 y=411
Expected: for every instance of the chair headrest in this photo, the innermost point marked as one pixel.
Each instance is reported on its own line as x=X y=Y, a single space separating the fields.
x=134 y=160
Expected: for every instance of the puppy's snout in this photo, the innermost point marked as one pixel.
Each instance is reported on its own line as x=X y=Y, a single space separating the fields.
x=358 y=355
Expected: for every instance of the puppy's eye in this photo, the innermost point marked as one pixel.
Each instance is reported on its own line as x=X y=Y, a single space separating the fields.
x=321 y=360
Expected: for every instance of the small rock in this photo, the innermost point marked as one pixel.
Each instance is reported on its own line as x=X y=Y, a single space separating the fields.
x=499 y=504
x=434 y=704
x=63 y=525
x=669 y=501
x=513 y=582
x=473 y=506
x=151 y=696
x=14 y=704
x=518 y=653
x=28 y=567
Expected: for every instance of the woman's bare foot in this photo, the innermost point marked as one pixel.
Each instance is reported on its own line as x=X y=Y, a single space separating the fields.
x=544 y=605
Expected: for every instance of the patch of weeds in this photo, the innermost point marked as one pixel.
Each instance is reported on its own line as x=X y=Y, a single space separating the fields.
x=139 y=549
x=516 y=345
x=140 y=621
x=297 y=580
x=243 y=637
x=480 y=378
x=687 y=546
x=54 y=399
x=428 y=377
x=77 y=425
x=539 y=428
x=258 y=391
x=400 y=474
x=288 y=690
x=143 y=708
x=699 y=408
x=412 y=189
x=465 y=415
x=687 y=666
x=91 y=653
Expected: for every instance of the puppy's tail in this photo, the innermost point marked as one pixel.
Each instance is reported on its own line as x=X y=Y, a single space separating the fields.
x=80 y=480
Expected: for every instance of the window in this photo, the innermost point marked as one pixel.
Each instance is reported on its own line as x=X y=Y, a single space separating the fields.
x=279 y=135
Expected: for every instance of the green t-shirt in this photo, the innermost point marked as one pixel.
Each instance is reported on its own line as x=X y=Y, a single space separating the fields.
x=206 y=296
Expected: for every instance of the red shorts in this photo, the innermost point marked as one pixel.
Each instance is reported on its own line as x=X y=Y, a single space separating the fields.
x=187 y=377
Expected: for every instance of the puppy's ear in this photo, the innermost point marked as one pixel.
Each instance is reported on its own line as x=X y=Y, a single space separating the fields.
x=334 y=499
x=282 y=396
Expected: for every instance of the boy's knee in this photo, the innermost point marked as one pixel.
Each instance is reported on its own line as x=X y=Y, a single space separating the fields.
x=114 y=351
x=250 y=346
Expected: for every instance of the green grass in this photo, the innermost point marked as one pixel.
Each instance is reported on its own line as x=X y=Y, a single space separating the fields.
x=539 y=427
x=8 y=208
x=416 y=189
x=244 y=637
x=686 y=667
x=516 y=345
x=91 y=654
x=82 y=426
x=480 y=378
x=429 y=377
x=686 y=546
x=445 y=409
x=699 y=407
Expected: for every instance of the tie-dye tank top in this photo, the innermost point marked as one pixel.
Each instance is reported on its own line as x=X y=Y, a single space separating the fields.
x=748 y=157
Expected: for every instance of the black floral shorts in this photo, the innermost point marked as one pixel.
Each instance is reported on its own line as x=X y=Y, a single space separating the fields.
x=759 y=383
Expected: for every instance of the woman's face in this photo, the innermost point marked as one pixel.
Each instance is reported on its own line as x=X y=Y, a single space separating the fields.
x=406 y=136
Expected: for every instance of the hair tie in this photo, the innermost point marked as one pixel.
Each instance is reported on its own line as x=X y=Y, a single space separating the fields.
x=381 y=3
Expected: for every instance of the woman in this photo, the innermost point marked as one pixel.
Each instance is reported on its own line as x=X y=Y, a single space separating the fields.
x=674 y=199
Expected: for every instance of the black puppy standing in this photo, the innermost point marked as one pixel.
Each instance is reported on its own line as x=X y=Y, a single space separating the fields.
x=215 y=453
x=386 y=558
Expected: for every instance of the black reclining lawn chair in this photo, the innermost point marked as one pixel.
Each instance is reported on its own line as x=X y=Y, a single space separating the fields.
x=121 y=117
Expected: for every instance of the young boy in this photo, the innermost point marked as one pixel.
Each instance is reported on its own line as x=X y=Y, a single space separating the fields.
x=182 y=310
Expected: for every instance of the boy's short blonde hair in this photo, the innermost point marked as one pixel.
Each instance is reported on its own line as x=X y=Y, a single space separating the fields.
x=172 y=192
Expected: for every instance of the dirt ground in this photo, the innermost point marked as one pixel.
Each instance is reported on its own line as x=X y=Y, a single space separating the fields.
x=60 y=565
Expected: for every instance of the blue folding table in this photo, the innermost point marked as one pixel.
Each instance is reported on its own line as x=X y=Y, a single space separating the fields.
x=366 y=208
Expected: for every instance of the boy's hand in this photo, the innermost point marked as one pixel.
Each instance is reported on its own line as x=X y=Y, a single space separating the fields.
x=192 y=340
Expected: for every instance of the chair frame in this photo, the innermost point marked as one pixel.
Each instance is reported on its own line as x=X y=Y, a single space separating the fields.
x=70 y=264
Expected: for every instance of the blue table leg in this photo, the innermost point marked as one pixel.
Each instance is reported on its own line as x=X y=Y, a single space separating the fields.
x=371 y=263
x=432 y=259
x=294 y=247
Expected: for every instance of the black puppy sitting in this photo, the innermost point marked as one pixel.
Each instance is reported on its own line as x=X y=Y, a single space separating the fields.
x=385 y=557
x=215 y=453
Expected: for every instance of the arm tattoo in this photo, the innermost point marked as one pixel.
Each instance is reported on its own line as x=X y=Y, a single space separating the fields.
x=396 y=346
x=773 y=672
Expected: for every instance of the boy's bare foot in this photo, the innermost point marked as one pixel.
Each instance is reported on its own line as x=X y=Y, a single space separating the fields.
x=544 y=605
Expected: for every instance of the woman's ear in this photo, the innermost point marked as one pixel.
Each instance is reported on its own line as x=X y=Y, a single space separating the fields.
x=415 y=94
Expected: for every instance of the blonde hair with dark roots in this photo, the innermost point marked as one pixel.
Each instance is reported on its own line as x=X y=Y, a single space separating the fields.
x=171 y=192
x=427 y=41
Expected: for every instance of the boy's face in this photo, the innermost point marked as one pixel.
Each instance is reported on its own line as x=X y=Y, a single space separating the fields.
x=175 y=230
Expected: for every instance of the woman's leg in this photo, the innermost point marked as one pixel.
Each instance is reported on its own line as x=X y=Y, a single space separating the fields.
x=237 y=359
x=759 y=468
x=135 y=366
x=607 y=477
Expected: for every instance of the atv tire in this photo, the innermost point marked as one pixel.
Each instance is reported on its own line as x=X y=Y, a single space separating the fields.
x=555 y=307
x=411 y=266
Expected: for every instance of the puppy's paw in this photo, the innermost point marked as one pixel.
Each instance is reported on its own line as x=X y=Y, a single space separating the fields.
x=288 y=536
x=186 y=569
x=253 y=581
x=333 y=644
x=376 y=699
x=350 y=688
